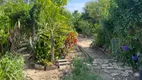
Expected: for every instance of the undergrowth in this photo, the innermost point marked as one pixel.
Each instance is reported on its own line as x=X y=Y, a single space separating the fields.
x=81 y=72
x=11 y=67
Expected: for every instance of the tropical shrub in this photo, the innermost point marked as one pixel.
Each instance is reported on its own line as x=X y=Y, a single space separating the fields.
x=69 y=41
x=42 y=47
x=11 y=67
x=62 y=46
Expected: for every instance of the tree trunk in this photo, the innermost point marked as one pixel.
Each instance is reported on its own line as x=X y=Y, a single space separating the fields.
x=52 y=45
x=33 y=33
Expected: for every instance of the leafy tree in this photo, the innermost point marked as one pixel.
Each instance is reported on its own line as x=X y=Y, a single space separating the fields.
x=127 y=22
x=81 y=25
x=96 y=10
x=76 y=18
x=53 y=22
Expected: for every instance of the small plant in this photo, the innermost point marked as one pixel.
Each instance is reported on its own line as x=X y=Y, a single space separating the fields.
x=11 y=67
x=81 y=72
x=3 y=40
x=70 y=40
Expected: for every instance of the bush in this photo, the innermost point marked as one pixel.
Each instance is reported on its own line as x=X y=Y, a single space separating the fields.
x=81 y=72
x=85 y=26
x=11 y=67
x=42 y=46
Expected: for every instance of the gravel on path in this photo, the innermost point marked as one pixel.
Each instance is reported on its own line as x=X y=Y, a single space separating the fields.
x=105 y=66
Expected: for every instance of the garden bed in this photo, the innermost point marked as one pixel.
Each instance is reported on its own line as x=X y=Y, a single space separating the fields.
x=38 y=72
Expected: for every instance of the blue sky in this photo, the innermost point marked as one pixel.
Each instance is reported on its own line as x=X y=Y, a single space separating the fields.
x=76 y=5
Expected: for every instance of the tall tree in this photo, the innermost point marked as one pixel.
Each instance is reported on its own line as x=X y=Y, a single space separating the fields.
x=97 y=10
x=76 y=18
x=127 y=20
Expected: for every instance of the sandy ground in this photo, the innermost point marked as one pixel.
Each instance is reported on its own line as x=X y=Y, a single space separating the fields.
x=95 y=53
x=56 y=74
x=43 y=75
x=84 y=42
x=33 y=74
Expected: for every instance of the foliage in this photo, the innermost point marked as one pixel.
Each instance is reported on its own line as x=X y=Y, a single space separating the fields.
x=126 y=20
x=97 y=10
x=69 y=41
x=117 y=19
x=85 y=27
x=43 y=47
x=81 y=72
x=81 y=25
x=94 y=13
x=130 y=22
x=97 y=13
x=47 y=22
x=50 y=18
x=13 y=11
x=11 y=67
x=3 y=40
x=51 y=23
x=75 y=19
x=10 y=13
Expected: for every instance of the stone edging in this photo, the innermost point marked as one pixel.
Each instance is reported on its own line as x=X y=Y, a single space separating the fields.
x=86 y=54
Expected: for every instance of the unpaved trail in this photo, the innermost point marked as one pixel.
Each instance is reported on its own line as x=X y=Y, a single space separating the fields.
x=95 y=53
x=34 y=74
x=103 y=65
x=43 y=75
x=106 y=67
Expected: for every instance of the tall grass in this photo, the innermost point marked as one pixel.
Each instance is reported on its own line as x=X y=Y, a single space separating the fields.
x=11 y=67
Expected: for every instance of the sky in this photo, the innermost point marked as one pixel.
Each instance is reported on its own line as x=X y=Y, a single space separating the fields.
x=76 y=5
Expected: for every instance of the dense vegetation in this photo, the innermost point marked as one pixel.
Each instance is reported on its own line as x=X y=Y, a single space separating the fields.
x=45 y=29
x=42 y=24
x=113 y=20
x=40 y=27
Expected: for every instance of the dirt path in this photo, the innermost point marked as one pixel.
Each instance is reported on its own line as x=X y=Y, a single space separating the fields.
x=96 y=53
x=106 y=67
x=34 y=74
x=103 y=65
